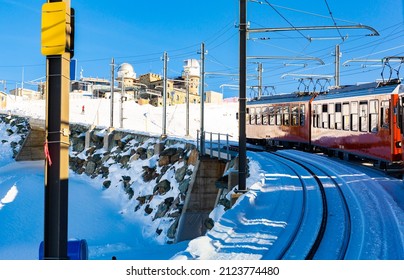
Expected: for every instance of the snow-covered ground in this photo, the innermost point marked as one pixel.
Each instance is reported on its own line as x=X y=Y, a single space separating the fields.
x=98 y=216
x=145 y=118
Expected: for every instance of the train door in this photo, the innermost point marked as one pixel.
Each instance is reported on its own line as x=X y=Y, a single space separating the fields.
x=400 y=117
x=395 y=129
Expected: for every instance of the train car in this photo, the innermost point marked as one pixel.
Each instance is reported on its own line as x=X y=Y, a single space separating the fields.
x=279 y=120
x=365 y=121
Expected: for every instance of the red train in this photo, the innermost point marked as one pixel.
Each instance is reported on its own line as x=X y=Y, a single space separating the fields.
x=365 y=121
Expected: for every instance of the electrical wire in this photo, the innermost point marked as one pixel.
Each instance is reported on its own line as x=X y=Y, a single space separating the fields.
x=282 y=16
x=332 y=17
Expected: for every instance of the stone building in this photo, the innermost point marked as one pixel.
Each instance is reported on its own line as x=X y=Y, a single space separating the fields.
x=177 y=88
x=3 y=100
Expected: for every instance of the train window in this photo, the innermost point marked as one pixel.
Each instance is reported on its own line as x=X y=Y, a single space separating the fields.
x=363 y=116
x=354 y=115
x=338 y=116
x=302 y=115
x=258 y=117
x=265 y=111
x=384 y=114
x=373 y=115
x=314 y=122
x=271 y=116
x=286 y=116
x=324 y=116
x=331 y=116
x=345 y=116
x=278 y=116
x=252 y=116
x=318 y=115
x=295 y=115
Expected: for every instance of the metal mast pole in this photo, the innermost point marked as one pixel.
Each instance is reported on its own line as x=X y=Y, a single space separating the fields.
x=242 y=96
x=259 y=80
x=164 y=134
x=337 y=65
x=187 y=105
x=202 y=96
x=121 y=103
x=111 y=123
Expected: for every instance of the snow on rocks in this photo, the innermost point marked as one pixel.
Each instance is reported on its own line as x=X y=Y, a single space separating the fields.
x=13 y=131
x=148 y=176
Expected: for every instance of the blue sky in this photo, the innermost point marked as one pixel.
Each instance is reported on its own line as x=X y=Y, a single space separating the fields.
x=139 y=32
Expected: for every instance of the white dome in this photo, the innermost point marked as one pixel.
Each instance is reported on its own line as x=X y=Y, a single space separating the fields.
x=126 y=70
x=192 y=67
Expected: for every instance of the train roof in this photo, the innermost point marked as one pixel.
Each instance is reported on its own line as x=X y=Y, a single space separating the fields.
x=281 y=98
x=362 y=90
x=375 y=88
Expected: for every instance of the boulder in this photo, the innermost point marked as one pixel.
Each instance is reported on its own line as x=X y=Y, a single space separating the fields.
x=180 y=173
x=162 y=187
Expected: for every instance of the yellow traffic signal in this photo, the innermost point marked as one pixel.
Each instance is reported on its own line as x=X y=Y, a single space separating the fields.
x=54 y=28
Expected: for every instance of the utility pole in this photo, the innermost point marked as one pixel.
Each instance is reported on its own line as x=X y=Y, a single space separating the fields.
x=242 y=97
x=121 y=103
x=260 y=80
x=4 y=82
x=165 y=65
x=57 y=37
x=202 y=96
x=337 y=65
x=187 y=104
x=111 y=123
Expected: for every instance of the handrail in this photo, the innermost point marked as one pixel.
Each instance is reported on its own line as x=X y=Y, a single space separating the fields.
x=213 y=144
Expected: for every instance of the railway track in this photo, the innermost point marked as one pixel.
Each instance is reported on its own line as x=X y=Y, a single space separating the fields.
x=321 y=228
x=344 y=209
x=334 y=236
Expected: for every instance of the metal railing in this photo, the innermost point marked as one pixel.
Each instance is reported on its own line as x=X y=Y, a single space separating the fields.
x=215 y=142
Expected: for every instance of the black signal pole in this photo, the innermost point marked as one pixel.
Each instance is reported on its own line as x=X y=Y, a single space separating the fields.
x=57 y=133
x=242 y=96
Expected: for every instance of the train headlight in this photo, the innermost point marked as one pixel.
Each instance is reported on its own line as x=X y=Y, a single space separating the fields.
x=398 y=144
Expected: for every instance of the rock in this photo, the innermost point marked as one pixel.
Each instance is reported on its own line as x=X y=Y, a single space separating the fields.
x=172 y=229
x=175 y=214
x=149 y=174
x=124 y=160
x=162 y=187
x=129 y=191
x=193 y=157
x=169 y=152
x=161 y=210
x=183 y=186
x=106 y=184
x=225 y=202
x=150 y=152
x=134 y=157
x=104 y=171
x=209 y=223
x=143 y=199
x=90 y=151
x=180 y=173
x=158 y=148
x=126 y=181
x=164 y=160
x=90 y=168
x=141 y=151
x=148 y=209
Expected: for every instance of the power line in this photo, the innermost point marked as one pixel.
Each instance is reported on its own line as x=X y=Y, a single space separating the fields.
x=304 y=12
x=304 y=36
x=332 y=17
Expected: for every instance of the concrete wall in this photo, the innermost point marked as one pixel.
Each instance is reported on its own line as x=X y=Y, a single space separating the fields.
x=201 y=199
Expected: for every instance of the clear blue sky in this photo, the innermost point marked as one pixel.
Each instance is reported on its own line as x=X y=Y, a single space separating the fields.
x=139 y=32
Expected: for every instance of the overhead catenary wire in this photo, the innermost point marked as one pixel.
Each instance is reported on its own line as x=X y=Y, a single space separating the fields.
x=335 y=23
